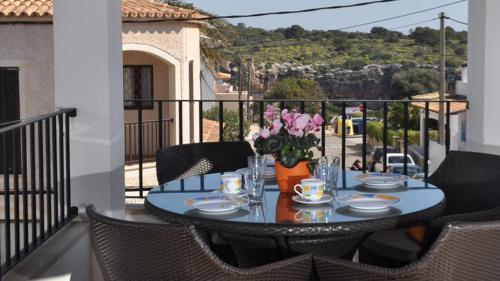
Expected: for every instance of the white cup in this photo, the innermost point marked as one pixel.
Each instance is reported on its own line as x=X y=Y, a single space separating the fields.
x=311 y=189
x=230 y=183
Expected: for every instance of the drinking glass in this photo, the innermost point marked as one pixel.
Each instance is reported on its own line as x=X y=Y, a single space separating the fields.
x=328 y=170
x=255 y=177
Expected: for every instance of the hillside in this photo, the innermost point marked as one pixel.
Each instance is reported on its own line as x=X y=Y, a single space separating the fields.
x=349 y=50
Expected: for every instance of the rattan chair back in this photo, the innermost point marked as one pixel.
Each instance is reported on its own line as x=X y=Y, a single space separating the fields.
x=131 y=251
x=469 y=180
x=182 y=161
x=463 y=251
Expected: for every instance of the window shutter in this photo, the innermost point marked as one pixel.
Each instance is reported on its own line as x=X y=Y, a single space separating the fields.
x=9 y=94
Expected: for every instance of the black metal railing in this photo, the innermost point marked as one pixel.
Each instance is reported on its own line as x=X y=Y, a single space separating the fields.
x=153 y=136
x=36 y=191
x=181 y=130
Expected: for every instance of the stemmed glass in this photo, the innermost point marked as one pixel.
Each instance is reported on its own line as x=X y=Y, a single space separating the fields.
x=255 y=177
x=328 y=170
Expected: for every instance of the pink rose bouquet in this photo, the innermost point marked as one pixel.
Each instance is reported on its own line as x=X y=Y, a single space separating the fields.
x=289 y=137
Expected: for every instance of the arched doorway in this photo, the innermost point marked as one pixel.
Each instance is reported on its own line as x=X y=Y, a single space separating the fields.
x=149 y=74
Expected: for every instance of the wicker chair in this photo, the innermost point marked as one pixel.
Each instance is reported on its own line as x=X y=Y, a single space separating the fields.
x=140 y=251
x=181 y=161
x=463 y=251
x=470 y=182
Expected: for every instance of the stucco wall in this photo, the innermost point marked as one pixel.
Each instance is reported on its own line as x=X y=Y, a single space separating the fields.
x=31 y=48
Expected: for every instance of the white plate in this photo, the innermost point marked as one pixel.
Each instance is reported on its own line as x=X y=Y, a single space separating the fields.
x=382 y=180
x=370 y=202
x=325 y=199
x=213 y=204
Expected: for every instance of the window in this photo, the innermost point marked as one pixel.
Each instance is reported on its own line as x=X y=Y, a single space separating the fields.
x=138 y=85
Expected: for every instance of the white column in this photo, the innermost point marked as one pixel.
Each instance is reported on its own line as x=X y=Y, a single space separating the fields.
x=88 y=76
x=483 y=134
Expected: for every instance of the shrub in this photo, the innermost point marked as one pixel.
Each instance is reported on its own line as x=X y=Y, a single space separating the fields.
x=231 y=123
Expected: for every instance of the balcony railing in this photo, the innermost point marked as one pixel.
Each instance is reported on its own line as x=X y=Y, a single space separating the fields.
x=253 y=111
x=35 y=172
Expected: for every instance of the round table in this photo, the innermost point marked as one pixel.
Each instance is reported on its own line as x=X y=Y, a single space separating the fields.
x=279 y=215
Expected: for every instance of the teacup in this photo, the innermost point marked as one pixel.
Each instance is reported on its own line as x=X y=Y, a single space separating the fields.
x=230 y=183
x=311 y=189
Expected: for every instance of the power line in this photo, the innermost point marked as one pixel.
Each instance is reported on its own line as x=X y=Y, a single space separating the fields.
x=457 y=21
x=412 y=24
x=401 y=16
x=366 y=23
x=287 y=12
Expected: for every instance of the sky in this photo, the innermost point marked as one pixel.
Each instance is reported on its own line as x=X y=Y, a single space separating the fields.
x=332 y=19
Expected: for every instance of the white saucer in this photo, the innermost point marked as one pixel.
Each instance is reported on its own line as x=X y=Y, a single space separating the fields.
x=371 y=202
x=216 y=204
x=325 y=199
x=240 y=194
x=381 y=180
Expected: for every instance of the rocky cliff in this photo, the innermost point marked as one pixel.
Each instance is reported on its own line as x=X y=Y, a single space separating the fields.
x=371 y=82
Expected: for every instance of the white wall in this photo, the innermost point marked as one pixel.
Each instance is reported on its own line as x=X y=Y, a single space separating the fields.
x=89 y=76
x=483 y=134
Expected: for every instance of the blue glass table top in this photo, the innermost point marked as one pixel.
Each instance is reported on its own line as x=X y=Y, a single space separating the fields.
x=279 y=209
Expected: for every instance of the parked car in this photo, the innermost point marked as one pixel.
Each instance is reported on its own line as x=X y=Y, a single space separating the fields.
x=395 y=164
x=379 y=151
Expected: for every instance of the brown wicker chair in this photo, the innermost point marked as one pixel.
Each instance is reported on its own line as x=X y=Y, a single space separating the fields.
x=470 y=182
x=182 y=161
x=463 y=251
x=142 y=251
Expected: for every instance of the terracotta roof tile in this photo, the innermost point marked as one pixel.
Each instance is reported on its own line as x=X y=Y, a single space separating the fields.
x=131 y=9
x=456 y=106
x=210 y=130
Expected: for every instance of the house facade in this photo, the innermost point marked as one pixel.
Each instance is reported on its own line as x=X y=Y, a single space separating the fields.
x=161 y=60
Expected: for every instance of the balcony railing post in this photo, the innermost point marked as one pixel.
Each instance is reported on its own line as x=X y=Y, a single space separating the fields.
x=140 y=142
x=55 y=172
x=323 y=126
x=426 y=142
x=160 y=125
x=221 y=121
x=48 y=174
x=24 y=168
x=41 y=203
x=17 y=234
x=181 y=129
x=405 y=137
x=364 y=150
x=448 y=132
x=200 y=118
x=6 y=200
x=344 y=120
x=62 y=181
x=33 y=184
x=261 y=114
x=67 y=162
x=385 y=138
x=241 y=121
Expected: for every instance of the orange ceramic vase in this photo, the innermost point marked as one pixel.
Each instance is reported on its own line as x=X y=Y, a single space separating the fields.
x=287 y=178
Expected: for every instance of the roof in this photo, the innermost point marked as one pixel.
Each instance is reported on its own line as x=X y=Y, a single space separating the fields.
x=131 y=10
x=210 y=130
x=456 y=105
x=223 y=75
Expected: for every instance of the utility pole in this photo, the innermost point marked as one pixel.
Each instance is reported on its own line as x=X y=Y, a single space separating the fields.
x=442 y=77
x=249 y=90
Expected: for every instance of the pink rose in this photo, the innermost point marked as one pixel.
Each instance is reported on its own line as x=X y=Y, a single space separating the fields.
x=265 y=133
x=276 y=127
x=269 y=114
x=302 y=122
x=318 y=120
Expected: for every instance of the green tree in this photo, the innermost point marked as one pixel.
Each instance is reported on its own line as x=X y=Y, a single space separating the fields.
x=407 y=83
x=425 y=36
x=395 y=116
x=295 y=89
x=294 y=32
